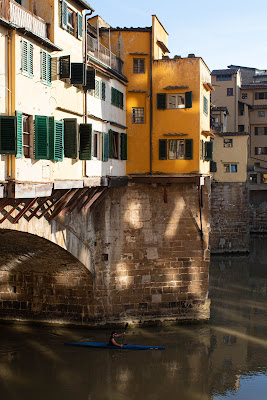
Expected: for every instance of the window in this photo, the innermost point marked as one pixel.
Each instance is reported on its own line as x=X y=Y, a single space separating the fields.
x=48 y=138
x=206 y=106
x=241 y=128
x=27 y=58
x=260 y=95
x=260 y=151
x=227 y=142
x=45 y=68
x=260 y=130
x=138 y=65
x=223 y=77
x=230 y=91
x=176 y=100
x=70 y=138
x=100 y=90
x=116 y=98
x=176 y=149
x=95 y=145
x=117 y=145
x=244 y=96
x=71 y=21
x=230 y=168
x=261 y=114
x=26 y=138
x=138 y=115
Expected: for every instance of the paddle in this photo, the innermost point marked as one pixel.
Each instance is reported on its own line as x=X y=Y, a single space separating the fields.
x=125 y=328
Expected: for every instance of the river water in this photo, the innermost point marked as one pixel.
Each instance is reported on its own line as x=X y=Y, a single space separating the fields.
x=225 y=358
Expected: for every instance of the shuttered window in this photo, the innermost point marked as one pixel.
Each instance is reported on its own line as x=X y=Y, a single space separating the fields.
x=116 y=98
x=110 y=143
x=103 y=91
x=188 y=149
x=123 y=146
x=90 y=79
x=49 y=137
x=78 y=74
x=64 y=8
x=8 y=126
x=79 y=26
x=46 y=68
x=64 y=67
x=188 y=100
x=105 y=146
x=70 y=137
x=19 y=134
x=163 y=149
x=85 y=141
x=205 y=105
x=161 y=101
x=27 y=58
x=208 y=151
x=138 y=65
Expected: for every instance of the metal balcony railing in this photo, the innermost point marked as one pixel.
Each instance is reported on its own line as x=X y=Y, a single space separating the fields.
x=18 y=15
x=99 y=51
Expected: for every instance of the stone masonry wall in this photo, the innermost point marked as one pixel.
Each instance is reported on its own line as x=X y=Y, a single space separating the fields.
x=258 y=211
x=149 y=261
x=229 y=218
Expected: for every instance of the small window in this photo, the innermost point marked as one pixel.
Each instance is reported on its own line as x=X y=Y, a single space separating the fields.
x=95 y=145
x=260 y=151
x=138 y=65
x=26 y=138
x=116 y=98
x=70 y=21
x=223 y=77
x=116 y=145
x=27 y=58
x=260 y=130
x=241 y=128
x=138 y=115
x=230 y=91
x=206 y=106
x=176 y=149
x=227 y=142
x=230 y=168
x=176 y=100
x=261 y=114
x=244 y=96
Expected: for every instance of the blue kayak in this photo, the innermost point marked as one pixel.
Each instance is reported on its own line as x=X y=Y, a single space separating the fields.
x=106 y=346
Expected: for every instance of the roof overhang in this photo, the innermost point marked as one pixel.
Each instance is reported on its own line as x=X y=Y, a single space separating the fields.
x=207 y=133
x=208 y=86
x=163 y=47
x=85 y=5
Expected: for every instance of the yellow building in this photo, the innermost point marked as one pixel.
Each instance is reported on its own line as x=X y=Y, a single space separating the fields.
x=168 y=104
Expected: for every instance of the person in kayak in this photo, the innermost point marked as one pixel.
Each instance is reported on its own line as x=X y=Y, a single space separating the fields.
x=112 y=341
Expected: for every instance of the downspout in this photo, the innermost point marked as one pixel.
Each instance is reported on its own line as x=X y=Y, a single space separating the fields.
x=151 y=107
x=85 y=61
x=10 y=93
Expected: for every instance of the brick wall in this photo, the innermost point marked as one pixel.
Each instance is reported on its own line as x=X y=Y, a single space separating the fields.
x=229 y=218
x=258 y=211
x=150 y=262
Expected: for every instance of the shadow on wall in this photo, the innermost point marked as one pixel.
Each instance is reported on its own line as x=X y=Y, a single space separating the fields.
x=41 y=281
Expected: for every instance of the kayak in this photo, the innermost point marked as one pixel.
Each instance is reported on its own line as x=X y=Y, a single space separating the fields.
x=106 y=346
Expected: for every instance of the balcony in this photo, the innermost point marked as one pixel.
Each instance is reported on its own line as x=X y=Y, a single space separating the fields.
x=97 y=50
x=18 y=15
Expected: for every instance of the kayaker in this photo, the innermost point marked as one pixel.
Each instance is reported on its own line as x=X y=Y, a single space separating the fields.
x=112 y=341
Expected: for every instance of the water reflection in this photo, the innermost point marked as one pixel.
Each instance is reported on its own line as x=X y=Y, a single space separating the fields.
x=223 y=359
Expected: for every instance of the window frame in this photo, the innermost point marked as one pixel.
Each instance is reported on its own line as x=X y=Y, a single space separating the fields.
x=228 y=143
x=261 y=114
x=227 y=167
x=230 y=92
x=205 y=106
x=139 y=65
x=27 y=67
x=177 y=96
x=244 y=96
x=46 y=58
x=138 y=119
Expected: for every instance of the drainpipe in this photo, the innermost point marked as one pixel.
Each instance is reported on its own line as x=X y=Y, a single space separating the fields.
x=10 y=166
x=85 y=61
x=151 y=107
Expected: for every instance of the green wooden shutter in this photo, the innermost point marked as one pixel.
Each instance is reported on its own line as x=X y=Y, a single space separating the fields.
x=113 y=96
x=43 y=67
x=79 y=26
x=123 y=146
x=30 y=60
x=51 y=137
x=85 y=141
x=110 y=143
x=19 y=134
x=90 y=79
x=24 y=56
x=49 y=66
x=103 y=91
x=162 y=149
x=78 y=74
x=58 y=140
x=41 y=138
x=188 y=149
x=8 y=135
x=70 y=137
x=161 y=101
x=208 y=151
x=64 y=15
x=105 y=146
x=64 y=67
x=188 y=100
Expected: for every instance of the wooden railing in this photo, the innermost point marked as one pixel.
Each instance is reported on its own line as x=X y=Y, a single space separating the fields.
x=103 y=54
x=18 y=15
